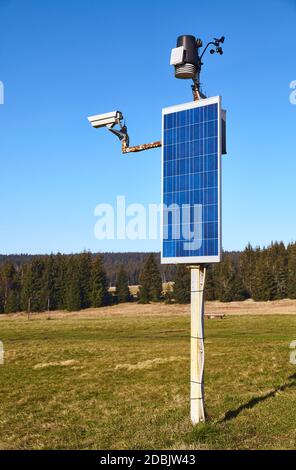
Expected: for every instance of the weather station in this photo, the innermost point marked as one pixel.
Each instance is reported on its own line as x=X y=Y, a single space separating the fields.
x=193 y=140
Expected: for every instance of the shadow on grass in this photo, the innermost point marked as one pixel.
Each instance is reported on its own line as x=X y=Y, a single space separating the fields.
x=231 y=414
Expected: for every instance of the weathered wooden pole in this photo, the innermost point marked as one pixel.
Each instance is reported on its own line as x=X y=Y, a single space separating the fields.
x=197 y=408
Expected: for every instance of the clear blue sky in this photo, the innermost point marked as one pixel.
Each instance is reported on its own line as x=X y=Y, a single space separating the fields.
x=62 y=60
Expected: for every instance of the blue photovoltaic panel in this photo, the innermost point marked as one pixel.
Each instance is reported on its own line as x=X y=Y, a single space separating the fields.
x=191 y=182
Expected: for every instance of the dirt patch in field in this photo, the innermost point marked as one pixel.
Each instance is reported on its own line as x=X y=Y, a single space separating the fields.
x=43 y=365
x=149 y=363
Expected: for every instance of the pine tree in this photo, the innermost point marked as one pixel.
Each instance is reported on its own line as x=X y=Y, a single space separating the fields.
x=12 y=302
x=143 y=295
x=49 y=283
x=264 y=285
x=150 y=281
x=182 y=285
x=230 y=286
x=2 y=292
x=238 y=292
x=84 y=267
x=277 y=261
x=73 y=301
x=11 y=288
x=25 y=287
x=210 y=286
x=225 y=273
x=122 y=289
x=247 y=265
x=99 y=292
x=33 y=286
x=282 y=282
x=291 y=271
x=60 y=281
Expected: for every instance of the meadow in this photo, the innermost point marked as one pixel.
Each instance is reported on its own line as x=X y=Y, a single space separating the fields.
x=118 y=378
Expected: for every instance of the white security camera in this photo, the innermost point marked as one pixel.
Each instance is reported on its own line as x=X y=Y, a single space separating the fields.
x=107 y=119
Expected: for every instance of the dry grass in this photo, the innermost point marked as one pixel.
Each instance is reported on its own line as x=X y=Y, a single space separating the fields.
x=149 y=363
x=118 y=378
x=42 y=365
x=248 y=307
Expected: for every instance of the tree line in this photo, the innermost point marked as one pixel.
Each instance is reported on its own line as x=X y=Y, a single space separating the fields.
x=55 y=282
x=74 y=282
x=259 y=273
x=132 y=261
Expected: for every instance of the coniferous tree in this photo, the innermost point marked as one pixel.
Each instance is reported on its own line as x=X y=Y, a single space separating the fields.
x=73 y=301
x=85 y=266
x=182 y=285
x=225 y=274
x=238 y=292
x=229 y=285
x=32 y=287
x=49 y=283
x=278 y=262
x=99 y=292
x=210 y=286
x=143 y=295
x=282 y=282
x=11 y=288
x=291 y=271
x=264 y=286
x=25 y=287
x=2 y=292
x=150 y=281
x=12 y=303
x=122 y=289
x=60 y=281
x=247 y=265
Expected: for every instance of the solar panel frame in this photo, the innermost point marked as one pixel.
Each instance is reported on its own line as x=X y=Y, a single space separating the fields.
x=173 y=109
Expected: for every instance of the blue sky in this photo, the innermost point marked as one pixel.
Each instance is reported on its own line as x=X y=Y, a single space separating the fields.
x=61 y=61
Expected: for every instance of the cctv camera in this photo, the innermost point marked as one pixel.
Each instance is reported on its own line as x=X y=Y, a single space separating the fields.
x=107 y=119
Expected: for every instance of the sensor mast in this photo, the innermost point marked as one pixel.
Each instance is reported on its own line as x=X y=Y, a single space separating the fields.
x=187 y=60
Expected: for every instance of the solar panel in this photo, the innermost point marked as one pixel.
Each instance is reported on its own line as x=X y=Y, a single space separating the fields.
x=191 y=182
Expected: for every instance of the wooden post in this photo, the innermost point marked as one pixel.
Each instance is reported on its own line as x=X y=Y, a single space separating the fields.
x=197 y=410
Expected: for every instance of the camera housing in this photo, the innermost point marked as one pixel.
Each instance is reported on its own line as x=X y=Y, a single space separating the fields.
x=106 y=119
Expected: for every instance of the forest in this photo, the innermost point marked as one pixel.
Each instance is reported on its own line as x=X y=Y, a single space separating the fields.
x=73 y=282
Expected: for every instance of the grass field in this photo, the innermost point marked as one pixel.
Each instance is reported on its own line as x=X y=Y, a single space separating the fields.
x=122 y=381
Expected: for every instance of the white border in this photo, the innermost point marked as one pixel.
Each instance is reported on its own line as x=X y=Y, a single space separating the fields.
x=194 y=259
